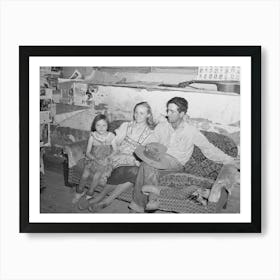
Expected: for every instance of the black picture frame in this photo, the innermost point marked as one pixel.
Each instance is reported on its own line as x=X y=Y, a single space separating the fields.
x=254 y=52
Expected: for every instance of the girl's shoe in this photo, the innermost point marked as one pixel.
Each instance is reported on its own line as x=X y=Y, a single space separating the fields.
x=93 y=208
x=77 y=197
x=83 y=203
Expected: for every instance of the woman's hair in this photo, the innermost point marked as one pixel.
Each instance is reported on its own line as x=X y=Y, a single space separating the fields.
x=181 y=103
x=98 y=118
x=149 y=120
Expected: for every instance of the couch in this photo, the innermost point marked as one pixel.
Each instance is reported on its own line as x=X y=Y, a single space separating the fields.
x=181 y=189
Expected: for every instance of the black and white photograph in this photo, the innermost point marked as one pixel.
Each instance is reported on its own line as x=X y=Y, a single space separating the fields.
x=153 y=138
x=157 y=140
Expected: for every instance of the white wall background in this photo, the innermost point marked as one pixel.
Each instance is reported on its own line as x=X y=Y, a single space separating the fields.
x=139 y=256
x=218 y=108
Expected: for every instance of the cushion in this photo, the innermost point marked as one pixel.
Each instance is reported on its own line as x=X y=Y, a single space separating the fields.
x=75 y=151
x=201 y=166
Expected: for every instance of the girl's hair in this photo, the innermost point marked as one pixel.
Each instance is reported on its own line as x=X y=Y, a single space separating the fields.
x=98 y=118
x=149 y=120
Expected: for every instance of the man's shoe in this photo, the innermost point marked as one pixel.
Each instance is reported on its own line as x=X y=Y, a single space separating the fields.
x=153 y=203
x=138 y=209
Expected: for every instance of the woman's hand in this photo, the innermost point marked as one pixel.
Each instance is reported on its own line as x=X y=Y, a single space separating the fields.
x=89 y=156
x=105 y=161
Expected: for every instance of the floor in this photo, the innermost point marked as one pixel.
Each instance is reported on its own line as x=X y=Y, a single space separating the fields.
x=57 y=198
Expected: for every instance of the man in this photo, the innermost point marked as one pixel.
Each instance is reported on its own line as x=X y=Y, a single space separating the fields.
x=179 y=138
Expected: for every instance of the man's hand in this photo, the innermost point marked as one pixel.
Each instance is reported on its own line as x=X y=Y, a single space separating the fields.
x=236 y=162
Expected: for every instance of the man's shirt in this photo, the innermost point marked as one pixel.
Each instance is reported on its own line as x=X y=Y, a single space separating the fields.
x=180 y=142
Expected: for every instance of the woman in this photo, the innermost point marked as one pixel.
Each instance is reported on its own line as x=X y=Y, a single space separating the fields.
x=128 y=137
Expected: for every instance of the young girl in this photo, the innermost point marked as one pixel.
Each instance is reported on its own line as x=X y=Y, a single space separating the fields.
x=128 y=137
x=98 y=157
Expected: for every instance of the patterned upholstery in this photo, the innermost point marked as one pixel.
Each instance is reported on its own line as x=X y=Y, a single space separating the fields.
x=173 y=199
x=201 y=166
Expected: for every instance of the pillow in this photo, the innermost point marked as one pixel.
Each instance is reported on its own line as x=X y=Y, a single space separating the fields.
x=75 y=152
x=201 y=166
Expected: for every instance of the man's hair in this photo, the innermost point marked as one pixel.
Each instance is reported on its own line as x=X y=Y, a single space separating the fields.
x=181 y=103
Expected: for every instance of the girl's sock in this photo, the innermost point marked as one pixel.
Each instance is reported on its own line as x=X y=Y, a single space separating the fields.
x=77 y=197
